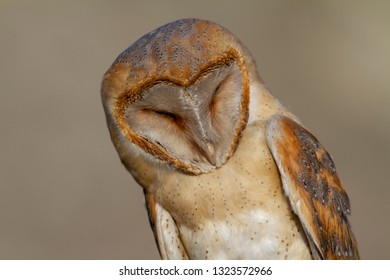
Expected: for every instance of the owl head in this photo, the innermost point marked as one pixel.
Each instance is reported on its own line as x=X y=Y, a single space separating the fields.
x=179 y=96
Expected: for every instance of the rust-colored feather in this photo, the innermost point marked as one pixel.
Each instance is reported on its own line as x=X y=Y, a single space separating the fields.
x=310 y=181
x=150 y=204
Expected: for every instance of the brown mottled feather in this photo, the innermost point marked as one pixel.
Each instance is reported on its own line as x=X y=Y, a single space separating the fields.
x=316 y=194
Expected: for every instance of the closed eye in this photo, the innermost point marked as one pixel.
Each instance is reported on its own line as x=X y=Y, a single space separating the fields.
x=214 y=98
x=177 y=120
x=167 y=114
x=218 y=87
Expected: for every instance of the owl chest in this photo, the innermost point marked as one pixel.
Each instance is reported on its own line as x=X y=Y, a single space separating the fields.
x=236 y=212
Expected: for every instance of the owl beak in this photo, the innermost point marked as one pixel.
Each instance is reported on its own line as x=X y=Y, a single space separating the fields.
x=209 y=153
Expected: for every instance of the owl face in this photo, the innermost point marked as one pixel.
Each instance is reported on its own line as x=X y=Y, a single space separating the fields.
x=180 y=94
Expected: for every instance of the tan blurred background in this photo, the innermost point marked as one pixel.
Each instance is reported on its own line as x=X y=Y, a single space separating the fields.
x=63 y=191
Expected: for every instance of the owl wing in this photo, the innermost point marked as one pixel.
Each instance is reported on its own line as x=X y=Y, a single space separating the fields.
x=314 y=190
x=165 y=231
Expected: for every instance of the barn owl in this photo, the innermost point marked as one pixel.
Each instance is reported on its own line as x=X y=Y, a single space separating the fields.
x=227 y=171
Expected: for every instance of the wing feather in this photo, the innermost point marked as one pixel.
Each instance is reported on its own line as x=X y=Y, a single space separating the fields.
x=313 y=187
x=165 y=231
